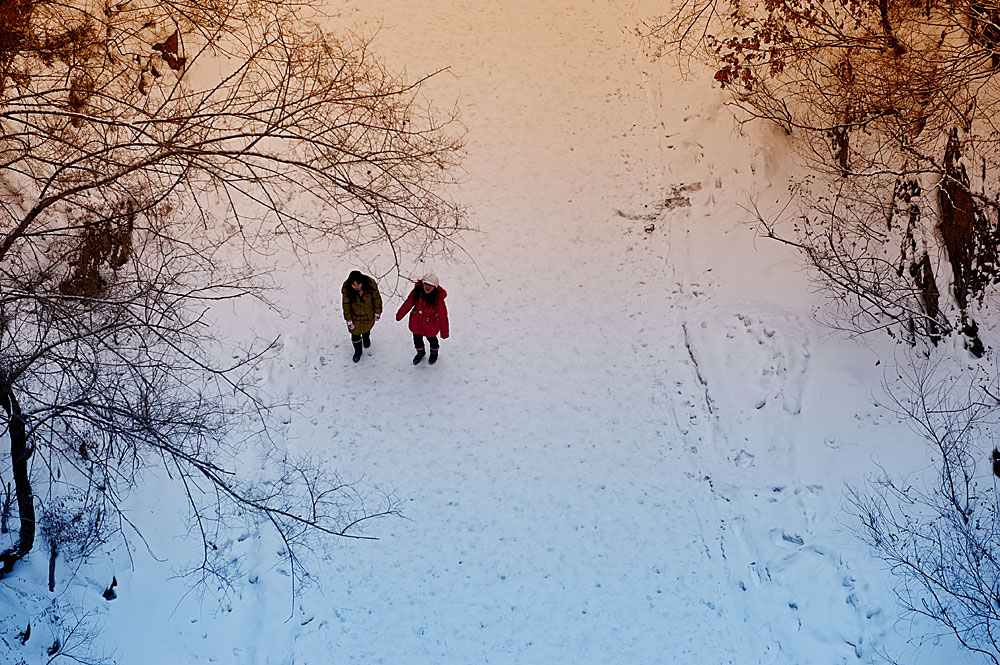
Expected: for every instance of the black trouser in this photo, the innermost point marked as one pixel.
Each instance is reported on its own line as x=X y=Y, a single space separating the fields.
x=418 y=342
x=358 y=339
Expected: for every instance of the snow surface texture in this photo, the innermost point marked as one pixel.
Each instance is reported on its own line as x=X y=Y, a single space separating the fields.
x=634 y=447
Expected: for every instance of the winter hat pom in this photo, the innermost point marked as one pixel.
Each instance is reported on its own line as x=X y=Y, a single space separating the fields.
x=430 y=278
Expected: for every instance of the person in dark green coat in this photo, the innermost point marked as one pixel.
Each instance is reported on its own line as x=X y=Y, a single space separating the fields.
x=362 y=308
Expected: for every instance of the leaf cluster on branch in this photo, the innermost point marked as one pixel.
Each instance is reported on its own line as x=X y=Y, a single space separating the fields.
x=891 y=105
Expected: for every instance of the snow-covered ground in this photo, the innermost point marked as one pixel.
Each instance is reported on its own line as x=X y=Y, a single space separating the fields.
x=635 y=446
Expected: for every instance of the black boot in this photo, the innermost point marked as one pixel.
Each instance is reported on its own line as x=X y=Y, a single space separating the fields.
x=420 y=356
x=366 y=340
x=357 y=352
x=433 y=357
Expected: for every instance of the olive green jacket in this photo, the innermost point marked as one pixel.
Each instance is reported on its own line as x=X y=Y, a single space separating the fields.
x=363 y=308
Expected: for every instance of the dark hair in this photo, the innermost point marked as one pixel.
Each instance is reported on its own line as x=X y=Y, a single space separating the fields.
x=420 y=294
x=356 y=276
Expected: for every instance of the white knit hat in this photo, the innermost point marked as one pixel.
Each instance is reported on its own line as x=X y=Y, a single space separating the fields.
x=430 y=278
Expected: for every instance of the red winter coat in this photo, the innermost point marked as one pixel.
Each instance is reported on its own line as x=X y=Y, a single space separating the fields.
x=426 y=320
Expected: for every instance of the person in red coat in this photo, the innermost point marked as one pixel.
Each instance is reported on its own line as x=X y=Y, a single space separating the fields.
x=428 y=315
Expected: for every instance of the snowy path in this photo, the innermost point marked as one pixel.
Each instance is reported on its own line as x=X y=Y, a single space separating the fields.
x=573 y=518
x=556 y=524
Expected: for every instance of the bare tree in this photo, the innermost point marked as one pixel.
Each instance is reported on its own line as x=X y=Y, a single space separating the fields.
x=940 y=536
x=74 y=637
x=892 y=105
x=150 y=153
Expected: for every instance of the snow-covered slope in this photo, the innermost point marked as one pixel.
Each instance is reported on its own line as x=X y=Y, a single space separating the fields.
x=634 y=447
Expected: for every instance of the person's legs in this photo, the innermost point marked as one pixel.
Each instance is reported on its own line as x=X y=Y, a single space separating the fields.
x=418 y=343
x=366 y=339
x=434 y=350
x=356 y=341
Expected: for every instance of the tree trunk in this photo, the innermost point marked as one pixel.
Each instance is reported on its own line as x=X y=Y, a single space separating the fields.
x=894 y=44
x=913 y=252
x=958 y=224
x=969 y=239
x=53 y=553
x=20 y=453
x=5 y=508
x=923 y=276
